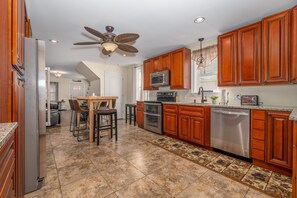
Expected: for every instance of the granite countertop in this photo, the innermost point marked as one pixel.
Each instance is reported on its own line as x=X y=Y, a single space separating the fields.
x=6 y=131
x=293 y=110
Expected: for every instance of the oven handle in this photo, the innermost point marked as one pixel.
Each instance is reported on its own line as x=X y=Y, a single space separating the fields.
x=151 y=114
x=231 y=113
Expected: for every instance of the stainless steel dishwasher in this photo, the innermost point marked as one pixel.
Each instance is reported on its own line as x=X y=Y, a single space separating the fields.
x=230 y=130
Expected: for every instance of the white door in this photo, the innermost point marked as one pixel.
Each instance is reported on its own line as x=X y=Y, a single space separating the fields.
x=113 y=86
x=77 y=89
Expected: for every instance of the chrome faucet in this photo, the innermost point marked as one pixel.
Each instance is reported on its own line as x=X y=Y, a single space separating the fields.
x=201 y=91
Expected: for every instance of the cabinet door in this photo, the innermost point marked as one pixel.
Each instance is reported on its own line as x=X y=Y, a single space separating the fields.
x=276 y=48
x=180 y=76
x=166 y=61
x=279 y=139
x=148 y=68
x=18 y=32
x=294 y=46
x=227 y=45
x=249 y=55
x=140 y=118
x=170 y=123
x=157 y=64
x=184 y=130
x=197 y=130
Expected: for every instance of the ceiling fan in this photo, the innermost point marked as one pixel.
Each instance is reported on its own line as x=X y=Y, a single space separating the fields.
x=110 y=41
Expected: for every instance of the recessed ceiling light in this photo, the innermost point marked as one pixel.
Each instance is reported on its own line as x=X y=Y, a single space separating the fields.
x=124 y=54
x=53 y=41
x=199 y=20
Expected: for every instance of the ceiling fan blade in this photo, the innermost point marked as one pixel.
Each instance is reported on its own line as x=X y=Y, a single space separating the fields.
x=127 y=48
x=86 y=43
x=96 y=33
x=126 y=38
x=105 y=52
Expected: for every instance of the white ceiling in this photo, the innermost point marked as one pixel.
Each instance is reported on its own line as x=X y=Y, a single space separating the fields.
x=163 y=25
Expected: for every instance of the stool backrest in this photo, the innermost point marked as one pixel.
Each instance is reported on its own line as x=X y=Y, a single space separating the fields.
x=71 y=104
x=76 y=106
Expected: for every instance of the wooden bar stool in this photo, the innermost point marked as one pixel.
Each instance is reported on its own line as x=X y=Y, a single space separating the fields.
x=110 y=126
x=81 y=117
x=129 y=114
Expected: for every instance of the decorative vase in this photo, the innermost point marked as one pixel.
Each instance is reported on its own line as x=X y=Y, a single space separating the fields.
x=214 y=101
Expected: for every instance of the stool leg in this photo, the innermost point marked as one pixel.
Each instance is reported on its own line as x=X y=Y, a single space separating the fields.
x=130 y=112
x=111 y=121
x=116 y=126
x=98 y=129
x=71 y=124
x=134 y=115
x=78 y=127
x=126 y=113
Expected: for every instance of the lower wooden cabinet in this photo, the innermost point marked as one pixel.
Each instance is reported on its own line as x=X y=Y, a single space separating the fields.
x=279 y=139
x=8 y=169
x=139 y=114
x=197 y=130
x=170 y=123
x=184 y=129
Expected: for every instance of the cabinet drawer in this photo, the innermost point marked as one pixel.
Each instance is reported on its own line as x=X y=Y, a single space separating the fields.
x=258 y=124
x=170 y=108
x=258 y=144
x=258 y=114
x=258 y=154
x=191 y=111
x=139 y=105
x=258 y=134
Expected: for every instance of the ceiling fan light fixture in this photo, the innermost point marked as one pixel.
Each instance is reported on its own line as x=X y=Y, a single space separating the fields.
x=110 y=47
x=199 y=20
x=58 y=74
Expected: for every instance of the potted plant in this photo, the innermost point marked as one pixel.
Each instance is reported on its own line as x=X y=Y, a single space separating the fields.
x=214 y=99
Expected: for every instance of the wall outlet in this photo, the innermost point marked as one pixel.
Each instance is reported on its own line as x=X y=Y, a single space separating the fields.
x=238 y=97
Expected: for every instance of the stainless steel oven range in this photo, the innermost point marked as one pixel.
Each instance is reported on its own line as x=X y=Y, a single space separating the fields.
x=153 y=111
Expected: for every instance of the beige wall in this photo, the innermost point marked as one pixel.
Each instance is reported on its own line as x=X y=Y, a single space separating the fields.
x=64 y=84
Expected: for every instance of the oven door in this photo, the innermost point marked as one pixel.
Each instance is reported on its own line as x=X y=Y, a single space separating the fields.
x=153 y=122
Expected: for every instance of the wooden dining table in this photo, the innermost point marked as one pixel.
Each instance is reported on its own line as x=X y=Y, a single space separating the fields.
x=92 y=100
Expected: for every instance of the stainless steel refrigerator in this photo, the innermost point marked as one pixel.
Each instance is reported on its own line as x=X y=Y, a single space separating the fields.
x=35 y=110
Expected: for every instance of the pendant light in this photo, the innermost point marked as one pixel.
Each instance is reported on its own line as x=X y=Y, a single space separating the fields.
x=201 y=60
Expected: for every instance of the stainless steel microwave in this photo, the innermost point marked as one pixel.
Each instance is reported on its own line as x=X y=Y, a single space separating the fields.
x=159 y=79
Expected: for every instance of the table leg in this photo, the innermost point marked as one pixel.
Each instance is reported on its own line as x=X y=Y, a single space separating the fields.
x=91 y=115
x=126 y=113
x=134 y=115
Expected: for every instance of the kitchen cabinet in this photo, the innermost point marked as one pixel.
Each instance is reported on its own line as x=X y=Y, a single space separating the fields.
x=170 y=119
x=139 y=114
x=279 y=139
x=227 y=59
x=157 y=64
x=249 y=55
x=194 y=124
x=258 y=128
x=294 y=45
x=148 y=68
x=166 y=61
x=294 y=178
x=7 y=169
x=180 y=73
x=275 y=44
x=18 y=33
x=28 y=31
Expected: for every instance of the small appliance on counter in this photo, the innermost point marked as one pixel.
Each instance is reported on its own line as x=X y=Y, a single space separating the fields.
x=250 y=100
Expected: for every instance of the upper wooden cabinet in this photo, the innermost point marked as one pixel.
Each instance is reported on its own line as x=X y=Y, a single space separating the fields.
x=148 y=68
x=276 y=48
x=180 y=76
x=177 y=62
x=166 y=61
x=294 y=45
x=249 y=55
x=157 y=64
x=227 y=61
x=18 y=32
x=279 y=139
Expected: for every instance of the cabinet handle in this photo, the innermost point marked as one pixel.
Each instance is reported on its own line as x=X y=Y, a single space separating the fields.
x=269 y=114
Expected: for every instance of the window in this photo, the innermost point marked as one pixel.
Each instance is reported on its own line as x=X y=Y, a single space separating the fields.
x=54 y=88
x=206 y=78
x=77 y=89
x=138 y=87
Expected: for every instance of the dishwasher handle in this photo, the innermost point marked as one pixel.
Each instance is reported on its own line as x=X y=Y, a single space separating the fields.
x=231 y=113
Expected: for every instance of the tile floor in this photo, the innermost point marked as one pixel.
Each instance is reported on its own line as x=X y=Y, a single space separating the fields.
x=134 y=166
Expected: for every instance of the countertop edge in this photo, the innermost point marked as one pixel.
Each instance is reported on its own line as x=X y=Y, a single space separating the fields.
x=6 y=131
